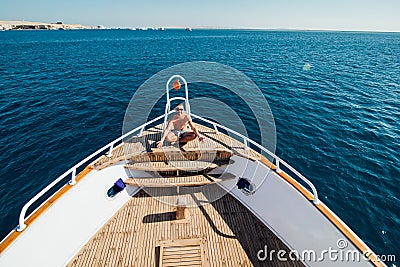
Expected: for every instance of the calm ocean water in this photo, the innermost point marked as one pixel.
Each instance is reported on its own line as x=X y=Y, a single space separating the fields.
x=335 y=97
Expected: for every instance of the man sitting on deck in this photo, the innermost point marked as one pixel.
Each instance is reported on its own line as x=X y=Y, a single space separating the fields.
x=177 y=129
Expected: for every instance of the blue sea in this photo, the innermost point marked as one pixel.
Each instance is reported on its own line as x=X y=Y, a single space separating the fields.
x=335 y=97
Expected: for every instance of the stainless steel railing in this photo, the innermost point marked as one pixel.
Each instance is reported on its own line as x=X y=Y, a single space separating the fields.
x=110 y=146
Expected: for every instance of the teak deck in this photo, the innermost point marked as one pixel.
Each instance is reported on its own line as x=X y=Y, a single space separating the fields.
x=146 y=232
x=226 y=232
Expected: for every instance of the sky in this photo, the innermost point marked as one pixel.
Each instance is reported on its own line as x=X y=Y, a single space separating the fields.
x=358 y=15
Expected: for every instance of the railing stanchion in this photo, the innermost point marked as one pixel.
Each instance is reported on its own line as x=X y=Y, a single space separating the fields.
x=141 y=132
x=246 y=145
x=278 y=168
x=109 y=153
x=316 y=199
x=73 y=176
x=215 y=128
x=21 y=227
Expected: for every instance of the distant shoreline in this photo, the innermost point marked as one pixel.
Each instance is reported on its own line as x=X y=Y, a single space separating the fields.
x=28 y=25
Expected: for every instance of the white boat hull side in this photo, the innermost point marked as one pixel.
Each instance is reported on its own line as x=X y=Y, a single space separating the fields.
x=291 y=216
x=59 y=233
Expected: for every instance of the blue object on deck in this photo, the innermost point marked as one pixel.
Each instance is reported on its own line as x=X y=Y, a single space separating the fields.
x=118 y=186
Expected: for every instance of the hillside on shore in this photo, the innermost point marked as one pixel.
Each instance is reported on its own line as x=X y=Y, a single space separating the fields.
x=29 y=25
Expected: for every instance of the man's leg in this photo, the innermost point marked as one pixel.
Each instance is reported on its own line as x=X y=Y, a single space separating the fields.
x=171 y=137
x=189 y=136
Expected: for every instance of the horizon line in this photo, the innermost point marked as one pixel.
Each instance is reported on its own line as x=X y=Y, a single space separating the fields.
x=273 y=29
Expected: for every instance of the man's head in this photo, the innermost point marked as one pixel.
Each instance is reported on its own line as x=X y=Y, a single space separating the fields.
x=179 y=108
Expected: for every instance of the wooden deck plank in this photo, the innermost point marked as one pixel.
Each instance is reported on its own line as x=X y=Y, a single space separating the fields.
x=135 y=235
x=161 y=166
x=188 y=181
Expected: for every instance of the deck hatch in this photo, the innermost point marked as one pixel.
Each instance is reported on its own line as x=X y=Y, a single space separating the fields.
x=184 y=252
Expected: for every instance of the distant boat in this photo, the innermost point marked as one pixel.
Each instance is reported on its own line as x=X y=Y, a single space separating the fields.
x=189 y=29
